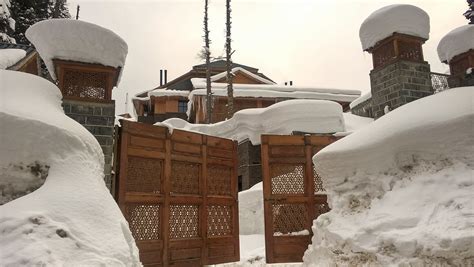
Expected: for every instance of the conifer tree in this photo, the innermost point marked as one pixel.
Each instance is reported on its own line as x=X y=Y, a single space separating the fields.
x=228 y=50
x=7 y=24
x=469 y=14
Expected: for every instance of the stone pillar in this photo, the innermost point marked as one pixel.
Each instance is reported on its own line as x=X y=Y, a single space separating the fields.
x=399 y=83
x=400 y=74
x=459 y=66
x=99 y=119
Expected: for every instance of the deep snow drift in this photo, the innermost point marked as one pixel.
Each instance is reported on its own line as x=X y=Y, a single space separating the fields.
x=71 y=220
x=76 y=40
x=313 y=116
x=456 y=42
x=382 y=23
x=401 y=188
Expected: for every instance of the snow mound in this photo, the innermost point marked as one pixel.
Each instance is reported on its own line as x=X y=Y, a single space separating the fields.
x=9 y=57
x=71 y=220
x=456 y=42
x=251 y=211
x=382 y=23
x=76 y=40
x=401 y=188
x=312 y=116
x=360 y=100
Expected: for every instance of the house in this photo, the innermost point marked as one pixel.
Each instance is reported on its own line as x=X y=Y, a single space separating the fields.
x=186 y=96
x=22 y=58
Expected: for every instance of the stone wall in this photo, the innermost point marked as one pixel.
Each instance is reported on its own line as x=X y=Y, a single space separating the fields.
x=399 y=83
x=363 y=109
x=99 y=119
x=250 y=168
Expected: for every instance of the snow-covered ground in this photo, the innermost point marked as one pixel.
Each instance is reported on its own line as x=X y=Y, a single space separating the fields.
x=71 y=220
x=401 y=189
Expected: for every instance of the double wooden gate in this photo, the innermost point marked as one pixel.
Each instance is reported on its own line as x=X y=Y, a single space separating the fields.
x=293 y=194
x=178 y=193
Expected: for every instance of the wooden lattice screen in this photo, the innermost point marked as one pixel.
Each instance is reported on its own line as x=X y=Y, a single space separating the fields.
x=293 y=194
x=179 y=194
x=396 y=47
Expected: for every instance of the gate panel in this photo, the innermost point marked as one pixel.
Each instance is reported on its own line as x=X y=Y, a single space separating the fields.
x=293 y=194
x=179 y=194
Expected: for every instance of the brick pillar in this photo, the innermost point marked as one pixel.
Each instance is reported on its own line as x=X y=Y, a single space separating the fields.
x=99 y=119
x=398 y=83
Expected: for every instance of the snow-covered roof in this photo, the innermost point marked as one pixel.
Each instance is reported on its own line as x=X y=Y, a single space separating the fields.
x=312 y=116
x=273 y=90
x=167 y=92
x=77 y=40
x=382 y=23
x=246 y=72
x=9 y=57
x=361 y=99
x=456 y=42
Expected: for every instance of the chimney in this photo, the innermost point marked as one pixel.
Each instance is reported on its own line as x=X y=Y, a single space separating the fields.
x=291 y=83
x=161 y=77
x=166 y=76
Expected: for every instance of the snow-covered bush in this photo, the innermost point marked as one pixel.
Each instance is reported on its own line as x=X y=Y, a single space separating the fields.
x=401 y=188
x=71 y=220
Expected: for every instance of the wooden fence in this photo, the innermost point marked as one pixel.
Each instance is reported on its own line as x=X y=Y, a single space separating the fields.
x=178 y=193
x=293 y=194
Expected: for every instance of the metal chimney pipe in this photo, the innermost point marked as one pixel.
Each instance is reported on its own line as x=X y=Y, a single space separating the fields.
x=291 y=83
x=286 y=83
x=161 y=77
x=166 y=76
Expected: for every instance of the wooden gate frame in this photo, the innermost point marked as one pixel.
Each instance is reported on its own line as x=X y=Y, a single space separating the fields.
x=291 y=151
x=148 y=203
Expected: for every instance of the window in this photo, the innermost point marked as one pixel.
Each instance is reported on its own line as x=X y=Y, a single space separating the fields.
x=182 y=106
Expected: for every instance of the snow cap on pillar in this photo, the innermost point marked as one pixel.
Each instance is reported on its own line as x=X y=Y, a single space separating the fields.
x=456 y=42
x=384 y=22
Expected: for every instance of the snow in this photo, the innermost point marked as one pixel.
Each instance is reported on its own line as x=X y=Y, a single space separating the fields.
x=77 y=40
x=360 y=100
x=71 y=220
x=165 y=92
x=312 y=116
x=251 y=211
x=401 y=188
x=405 y=19
x=299 y=233
x=9 y=57
x=456 y=42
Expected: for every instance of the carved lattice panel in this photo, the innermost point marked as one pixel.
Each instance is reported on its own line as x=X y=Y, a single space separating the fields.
x=318 y=183
x=411 y=51
x=287 y=179
x=144 y=221
x=144 y=175
x=219 y=180
x=383 y=54
x=322 y=208
x=219 y=220
x=85 y=84
x=289 y=218
x=184 y=221
x=185 y=177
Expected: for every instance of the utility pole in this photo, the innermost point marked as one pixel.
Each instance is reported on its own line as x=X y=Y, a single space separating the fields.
x=230 y=89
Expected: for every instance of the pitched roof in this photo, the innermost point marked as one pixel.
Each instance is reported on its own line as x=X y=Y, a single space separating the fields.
x=222 y=64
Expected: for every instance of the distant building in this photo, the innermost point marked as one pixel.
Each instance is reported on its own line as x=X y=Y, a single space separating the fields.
x=186 y=97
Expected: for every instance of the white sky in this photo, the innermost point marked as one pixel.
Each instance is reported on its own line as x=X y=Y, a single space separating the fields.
x=312 y=42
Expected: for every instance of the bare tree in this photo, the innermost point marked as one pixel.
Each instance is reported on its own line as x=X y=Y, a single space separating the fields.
x=207 y=54
x=230 y=89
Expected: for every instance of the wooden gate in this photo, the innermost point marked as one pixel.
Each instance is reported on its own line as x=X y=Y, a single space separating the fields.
x=293 y=194
x=178 y=193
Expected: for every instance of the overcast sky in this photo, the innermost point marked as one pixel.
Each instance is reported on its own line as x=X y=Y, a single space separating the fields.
x=313 y=42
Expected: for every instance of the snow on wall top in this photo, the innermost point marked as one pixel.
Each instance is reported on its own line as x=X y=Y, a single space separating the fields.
x=313 y=116
x=361 y=99
x=76 y=40
x=9 y=57
x=456 y=42
x=382 y=23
